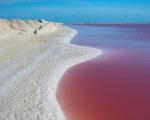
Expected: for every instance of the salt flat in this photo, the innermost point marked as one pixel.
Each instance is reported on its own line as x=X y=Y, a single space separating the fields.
x=33 y=57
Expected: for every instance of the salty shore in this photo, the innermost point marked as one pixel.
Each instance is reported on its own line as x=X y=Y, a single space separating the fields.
x=34 y=56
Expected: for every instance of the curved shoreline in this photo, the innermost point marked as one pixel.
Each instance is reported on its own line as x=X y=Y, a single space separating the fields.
x=28 y=82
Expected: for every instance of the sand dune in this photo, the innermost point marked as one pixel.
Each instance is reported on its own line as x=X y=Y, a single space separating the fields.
x=33 y=57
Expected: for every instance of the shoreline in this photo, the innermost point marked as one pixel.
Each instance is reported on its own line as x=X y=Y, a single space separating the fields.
x=29 y=78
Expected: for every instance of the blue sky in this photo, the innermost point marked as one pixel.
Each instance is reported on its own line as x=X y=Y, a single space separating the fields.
x=77 y=10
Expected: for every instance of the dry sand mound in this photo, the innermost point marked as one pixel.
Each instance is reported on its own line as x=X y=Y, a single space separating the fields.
x=30 y=26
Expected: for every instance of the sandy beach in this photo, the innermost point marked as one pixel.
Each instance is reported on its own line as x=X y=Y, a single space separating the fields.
x=33 y=57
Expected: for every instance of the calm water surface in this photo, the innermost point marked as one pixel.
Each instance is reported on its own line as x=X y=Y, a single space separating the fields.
x=114 y=86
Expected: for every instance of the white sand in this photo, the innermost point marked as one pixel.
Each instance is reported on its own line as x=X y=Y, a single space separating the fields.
x=33 y=57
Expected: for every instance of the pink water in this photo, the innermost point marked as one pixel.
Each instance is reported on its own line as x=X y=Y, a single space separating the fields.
x=114 y=86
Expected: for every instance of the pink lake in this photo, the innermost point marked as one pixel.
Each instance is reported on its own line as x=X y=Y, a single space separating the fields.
x=115 y=85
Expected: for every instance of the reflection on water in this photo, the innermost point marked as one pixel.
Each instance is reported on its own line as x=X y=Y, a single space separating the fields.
x=116 y=85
